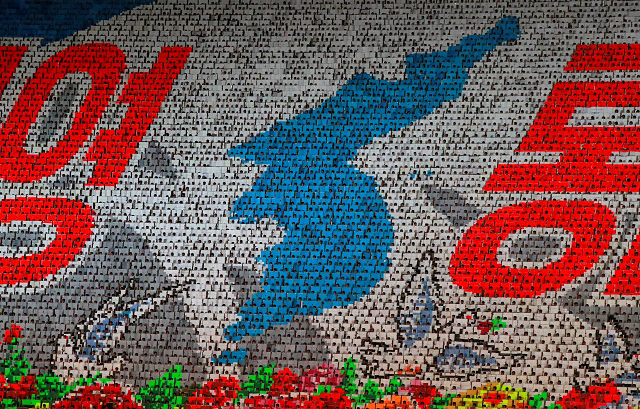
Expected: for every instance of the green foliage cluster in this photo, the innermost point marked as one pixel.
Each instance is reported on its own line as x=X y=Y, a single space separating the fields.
x=371 y=391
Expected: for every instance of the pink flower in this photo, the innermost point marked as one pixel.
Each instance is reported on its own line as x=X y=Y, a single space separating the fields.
x=323 y=375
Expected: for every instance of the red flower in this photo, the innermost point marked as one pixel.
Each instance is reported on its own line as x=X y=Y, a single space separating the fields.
x=18 y=391
x=262 y=402
x=335 y=399
x=494 y=398
x=214 y=394
x=284 y=382
x=422 y=393
x=596 y=396
x=98 y=397
x=484 y=327
x=11 y=334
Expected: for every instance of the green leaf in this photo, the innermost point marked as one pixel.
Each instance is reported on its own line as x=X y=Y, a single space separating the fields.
x=536 y=401
x=259 y=383
x=441 y=402
x=370 y=393
x=14 y=367
x=9 y=404
x=394 y=386
x=349 y=378
x=31 y=402
x=51 y=388
x=163 y=392
x=323 y=389
x=497 y=323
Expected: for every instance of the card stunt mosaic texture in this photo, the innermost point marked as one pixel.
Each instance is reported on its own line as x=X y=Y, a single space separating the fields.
x=341 y=204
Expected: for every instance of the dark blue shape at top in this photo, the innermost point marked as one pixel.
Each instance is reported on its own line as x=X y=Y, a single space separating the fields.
x=53 y=20
x=338 y=229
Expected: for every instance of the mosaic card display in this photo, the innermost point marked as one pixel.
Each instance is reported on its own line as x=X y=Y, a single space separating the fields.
x=319 y=205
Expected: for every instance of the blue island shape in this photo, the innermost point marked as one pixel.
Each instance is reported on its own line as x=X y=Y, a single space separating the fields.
x=338 y=229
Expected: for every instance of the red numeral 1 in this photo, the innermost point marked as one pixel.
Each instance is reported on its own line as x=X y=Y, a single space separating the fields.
x=144 y=93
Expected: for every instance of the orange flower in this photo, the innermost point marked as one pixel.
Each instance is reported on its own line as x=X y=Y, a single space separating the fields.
x=491 y=396
x=392 y=402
